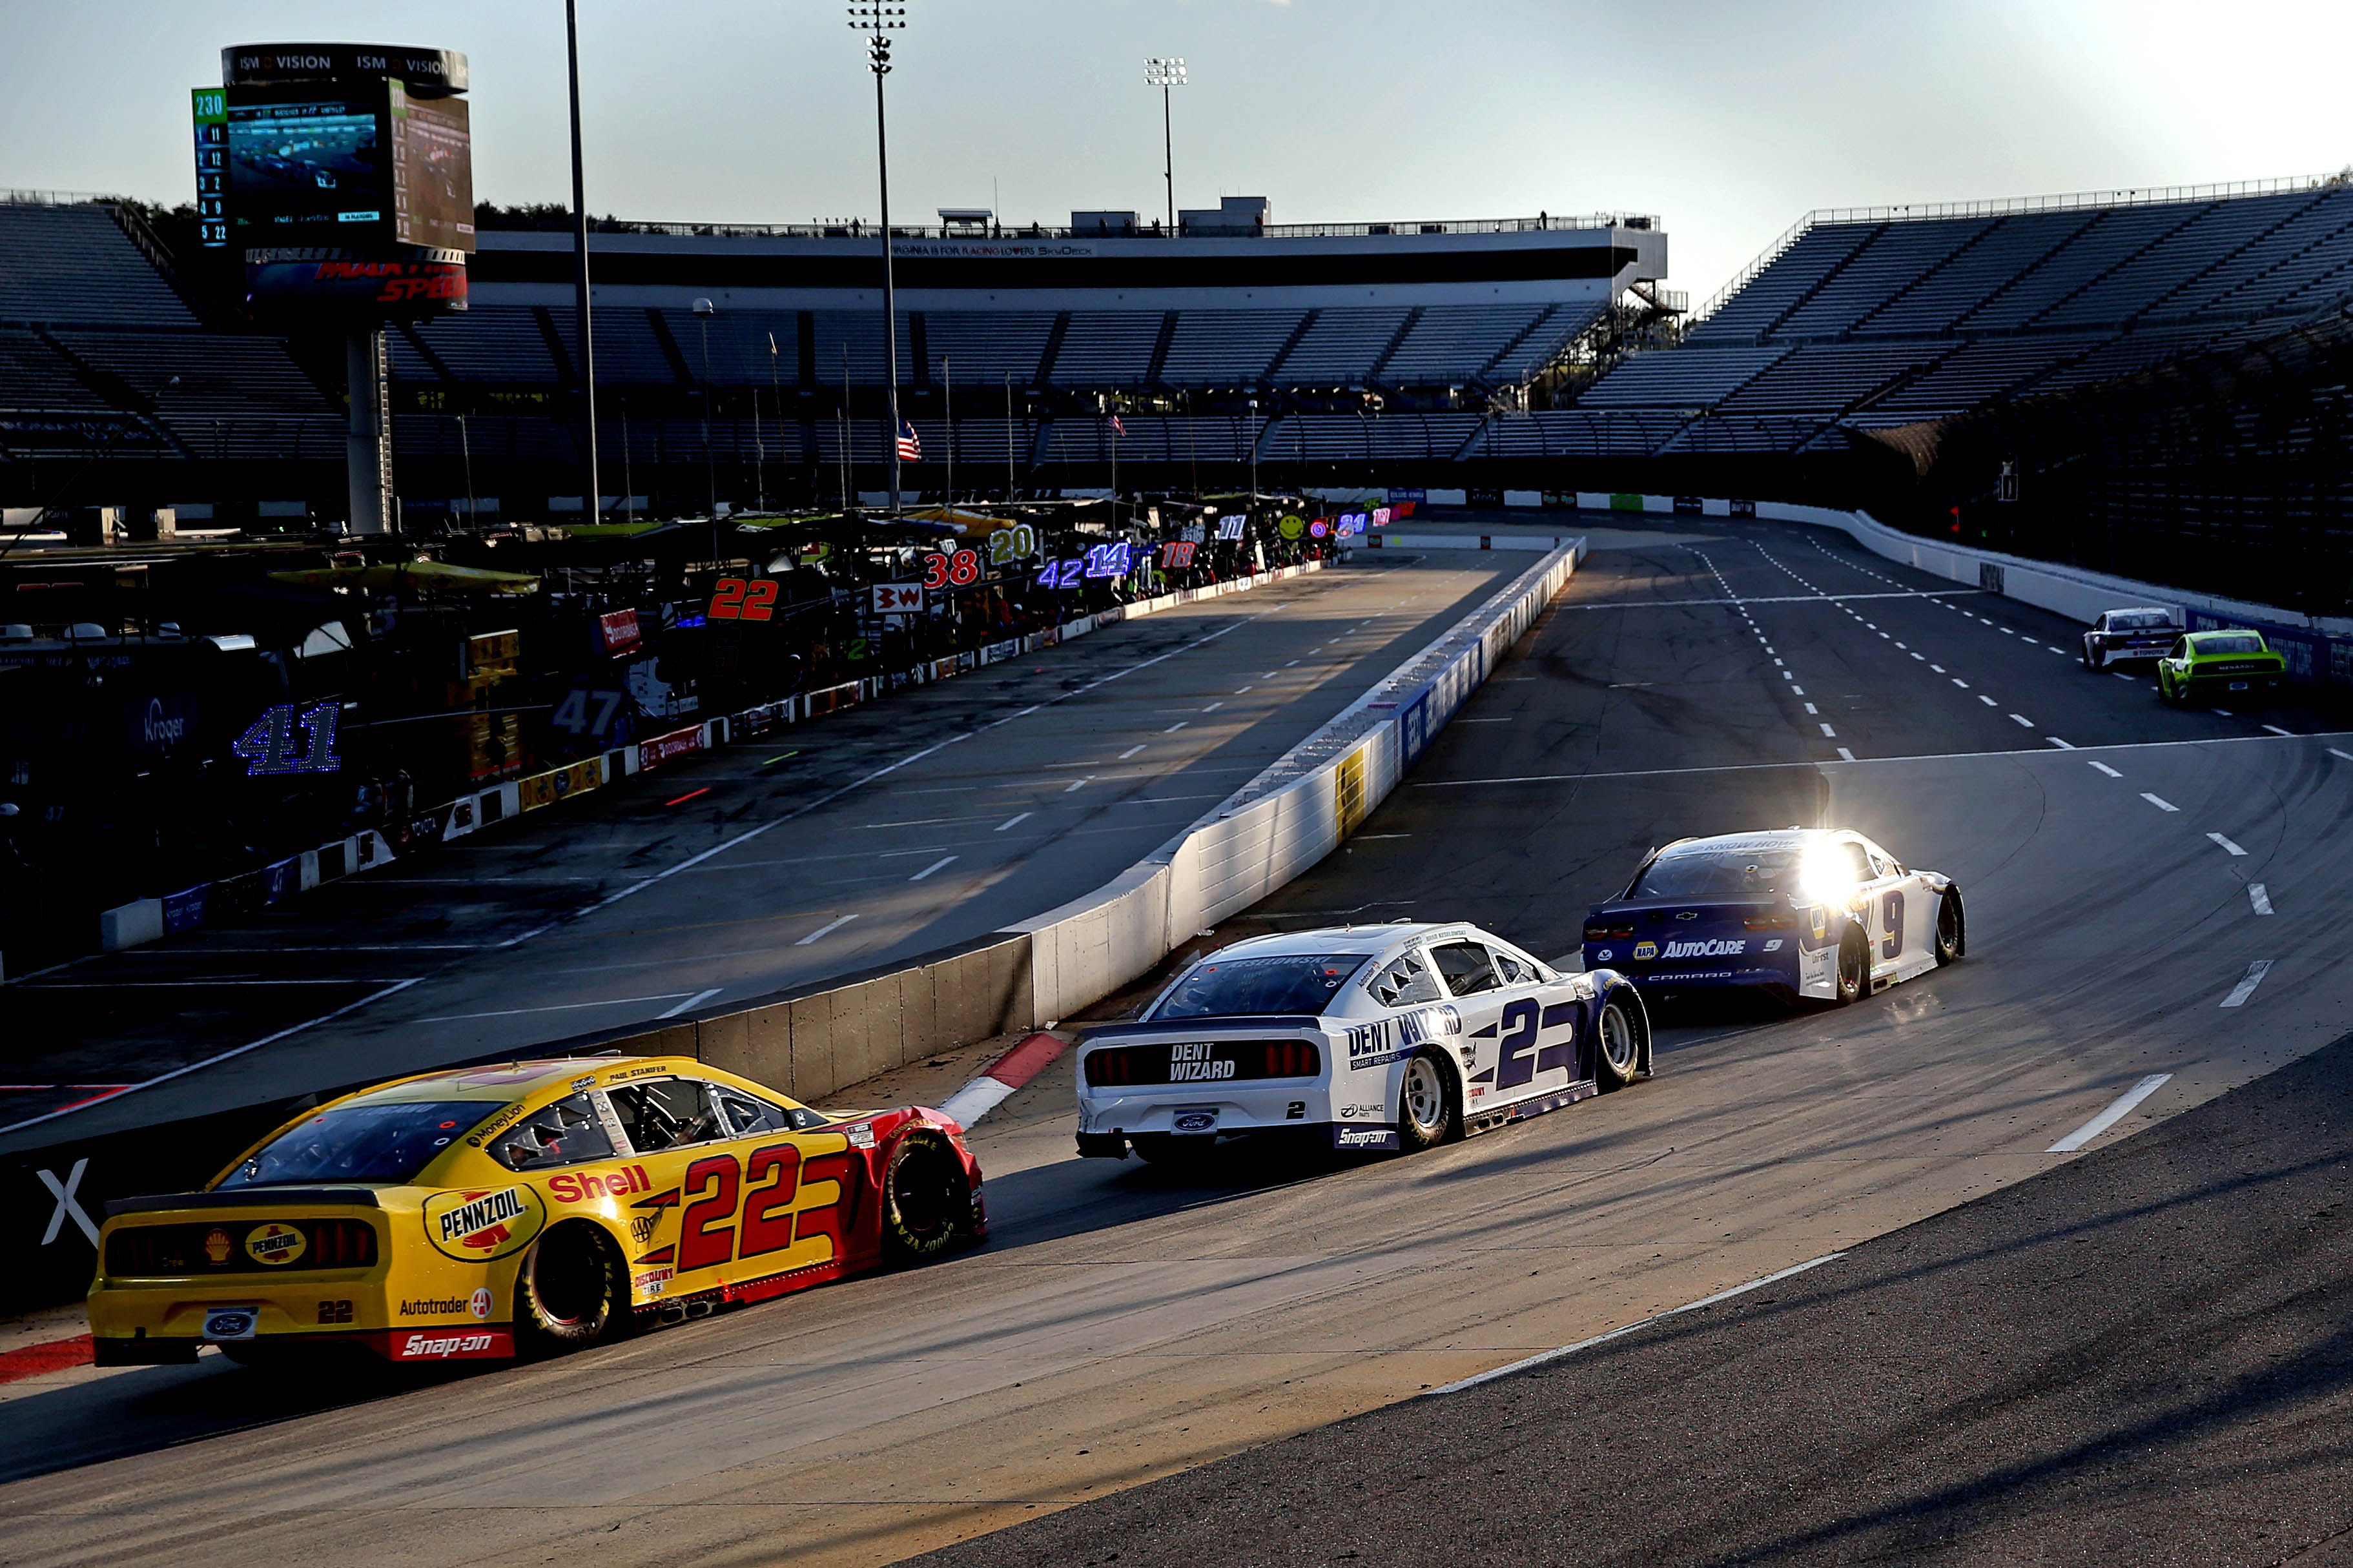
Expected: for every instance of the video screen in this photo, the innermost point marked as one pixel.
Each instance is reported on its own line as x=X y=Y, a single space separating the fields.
x=433 y=171
x=309 y=168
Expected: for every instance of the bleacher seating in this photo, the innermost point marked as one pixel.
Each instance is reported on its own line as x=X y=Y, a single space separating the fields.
x=1341 y=346
x=1226 y=348
x=1896 y=320
x=1457 y=341
x=75 y=264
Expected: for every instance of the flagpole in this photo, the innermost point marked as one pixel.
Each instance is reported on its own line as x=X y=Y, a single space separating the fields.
x=1008 y=437
x=947 y=407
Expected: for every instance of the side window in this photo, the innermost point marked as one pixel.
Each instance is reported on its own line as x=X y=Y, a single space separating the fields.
x=2180 y=648
x=1404 y=983
x=1515 y=970
x=749 y=1115
x=1466 y=967
x=667 y=1113
x=563 y=1133
x=1858 y=861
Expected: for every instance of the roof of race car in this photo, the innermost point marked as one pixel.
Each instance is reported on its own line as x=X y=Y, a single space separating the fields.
x=2172 y=615
x=2197 y=640
x=1338 y=939
x=1756 y=838
x=500 y=1081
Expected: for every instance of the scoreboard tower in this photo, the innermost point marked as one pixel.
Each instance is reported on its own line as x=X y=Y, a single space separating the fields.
x=341 y=176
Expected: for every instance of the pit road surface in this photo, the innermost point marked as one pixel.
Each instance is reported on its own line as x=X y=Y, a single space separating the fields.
x=1124 y=1324
x=927 y=817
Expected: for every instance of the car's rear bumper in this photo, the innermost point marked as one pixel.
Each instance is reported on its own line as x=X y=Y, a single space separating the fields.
x=1262 y=1105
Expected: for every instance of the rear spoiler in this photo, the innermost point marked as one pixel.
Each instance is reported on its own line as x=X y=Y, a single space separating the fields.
x=1095 y=1033
x=243 y=1198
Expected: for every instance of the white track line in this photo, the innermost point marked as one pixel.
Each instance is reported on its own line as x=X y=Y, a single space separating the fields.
x=1542 y=1357
x=2159 y=801
x=1011 y=821
x=218 y=1057
x=2104 y=768
x=826 y=928
x=1830 y=733
x=2228 y=848
x=2247 y=984
x=940 y=864
x=1845 y=755
x=2259 y=897
x=697 y=1000
x=551 y=1007
x=2115 y=1113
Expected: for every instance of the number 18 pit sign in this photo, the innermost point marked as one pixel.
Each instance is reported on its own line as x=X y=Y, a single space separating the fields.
x=898 y=598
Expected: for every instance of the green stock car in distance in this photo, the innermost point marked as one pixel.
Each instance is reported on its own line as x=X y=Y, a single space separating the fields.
x=2203 y=665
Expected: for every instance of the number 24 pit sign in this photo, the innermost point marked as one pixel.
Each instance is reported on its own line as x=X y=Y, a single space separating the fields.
x=898 y=598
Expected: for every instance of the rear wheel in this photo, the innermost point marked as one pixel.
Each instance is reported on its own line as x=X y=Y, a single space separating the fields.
x=570 y=1292
x=1617 y=1055
x=1429 y=1106
x=1854 y=968
x=923 y=1196
x=1952 y=933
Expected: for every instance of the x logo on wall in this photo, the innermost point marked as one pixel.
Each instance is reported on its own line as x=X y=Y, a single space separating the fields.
x=67 y=1205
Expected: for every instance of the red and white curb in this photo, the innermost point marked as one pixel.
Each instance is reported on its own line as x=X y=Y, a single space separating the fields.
x=1002 y=1077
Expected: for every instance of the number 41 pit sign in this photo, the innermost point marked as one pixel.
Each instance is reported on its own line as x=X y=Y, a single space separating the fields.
x=898 y=598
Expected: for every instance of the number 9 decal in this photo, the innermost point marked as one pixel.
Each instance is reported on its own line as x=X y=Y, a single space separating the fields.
x=1891 y=920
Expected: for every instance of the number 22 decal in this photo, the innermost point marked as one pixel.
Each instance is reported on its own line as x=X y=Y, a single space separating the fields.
x=763 y=1186
x=1891 y=920
x=733 y=598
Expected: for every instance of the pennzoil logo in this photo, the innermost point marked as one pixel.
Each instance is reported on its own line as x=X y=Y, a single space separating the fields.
x=275 y=1243
x=478 y=1225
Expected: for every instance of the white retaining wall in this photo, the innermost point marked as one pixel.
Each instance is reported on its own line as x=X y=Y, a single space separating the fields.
x=1283 y=820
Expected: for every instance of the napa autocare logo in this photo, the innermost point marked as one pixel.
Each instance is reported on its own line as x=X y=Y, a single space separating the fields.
x=1714 y=947
x=1645 y=951
x=478 y=1225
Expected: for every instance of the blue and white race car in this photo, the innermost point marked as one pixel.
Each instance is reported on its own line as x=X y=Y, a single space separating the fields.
x=1387 y=1037
x=1806 y=913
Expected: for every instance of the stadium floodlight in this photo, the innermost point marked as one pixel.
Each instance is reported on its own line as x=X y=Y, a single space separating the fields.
x=592 y=492
x=878 y=22
x=1166 y=72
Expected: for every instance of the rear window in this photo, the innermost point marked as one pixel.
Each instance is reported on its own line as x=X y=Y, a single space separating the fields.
x=2236 y=642
x=1703 y=871
x=2147 y=621
x=362 y=1143
x=1229 y=987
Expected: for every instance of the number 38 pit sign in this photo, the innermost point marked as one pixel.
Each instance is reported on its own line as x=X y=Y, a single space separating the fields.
x=898 y=598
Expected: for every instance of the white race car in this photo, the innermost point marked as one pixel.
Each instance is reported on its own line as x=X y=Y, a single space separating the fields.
x=1387 y=1037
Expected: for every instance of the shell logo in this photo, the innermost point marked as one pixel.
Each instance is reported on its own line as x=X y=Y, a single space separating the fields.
x=275 y=1245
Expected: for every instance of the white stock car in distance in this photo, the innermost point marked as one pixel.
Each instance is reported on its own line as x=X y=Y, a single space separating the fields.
x=1365 y=1037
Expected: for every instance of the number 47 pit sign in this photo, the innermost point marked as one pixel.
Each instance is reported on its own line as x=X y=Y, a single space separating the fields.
x=898 y=598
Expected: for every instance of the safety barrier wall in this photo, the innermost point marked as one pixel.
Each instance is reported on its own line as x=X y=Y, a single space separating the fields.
x=150 y=919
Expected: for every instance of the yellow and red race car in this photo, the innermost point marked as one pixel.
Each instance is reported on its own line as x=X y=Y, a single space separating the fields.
x=525 y=1208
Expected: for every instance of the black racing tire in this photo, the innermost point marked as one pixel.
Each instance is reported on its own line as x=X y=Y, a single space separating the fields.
x=1853 y=970
x=1952 y=928
x=1429 y=1102
x=1618 y=1046
x=2089 y=662
x=924 y=1198
x=571 y=1292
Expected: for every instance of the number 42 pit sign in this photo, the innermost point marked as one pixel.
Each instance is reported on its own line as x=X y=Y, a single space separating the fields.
x=898 y=598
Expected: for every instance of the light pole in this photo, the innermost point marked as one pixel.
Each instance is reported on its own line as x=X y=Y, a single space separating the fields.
x=1166 y=72
x=703 y=312
x=878 y=22
x=580 y=269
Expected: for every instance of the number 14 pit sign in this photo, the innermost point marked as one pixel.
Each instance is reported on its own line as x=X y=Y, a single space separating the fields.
x=898 y=598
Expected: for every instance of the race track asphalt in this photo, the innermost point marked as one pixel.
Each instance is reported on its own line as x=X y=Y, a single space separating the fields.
x=927 y=817
x=1125 y=1325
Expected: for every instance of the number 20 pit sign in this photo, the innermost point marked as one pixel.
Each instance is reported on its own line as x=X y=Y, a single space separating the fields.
x=898 y=598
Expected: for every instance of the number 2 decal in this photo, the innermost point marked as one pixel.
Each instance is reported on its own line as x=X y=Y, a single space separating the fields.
x=1890 y=918
x=1515 y=1063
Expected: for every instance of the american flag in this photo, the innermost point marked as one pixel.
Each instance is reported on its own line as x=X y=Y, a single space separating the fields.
x=1116 y=427
x=910 y=446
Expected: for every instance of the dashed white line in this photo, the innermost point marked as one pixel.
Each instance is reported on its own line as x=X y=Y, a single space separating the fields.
x=1922 y=658
x=1129 y=753
x=697 y=1000
x=2247 y=984
x=943 y=862
x=1829 y=731
x=2345 y=756
x=2105 y=769
x=1937 y=668
x=1984 y=699
x=1814 y=710
x=2228 y=848
x=2161 y=804
x=1077 y=785
x=2062 y=745
x=2115 y=1113
x=1177 y=726
x=1240 y=690
x=1012 y=821
x=2278 y=730
x=2260 y=897
x=1845 y=755
x=1796 y=689
x=1960 y=682
x=826 y=930
x=2022 y=718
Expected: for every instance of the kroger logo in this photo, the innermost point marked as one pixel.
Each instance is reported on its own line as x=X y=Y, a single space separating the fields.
x=1715 y=947
x=162 y=728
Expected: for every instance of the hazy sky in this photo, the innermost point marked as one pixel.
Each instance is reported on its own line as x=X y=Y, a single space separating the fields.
x=1728 y=118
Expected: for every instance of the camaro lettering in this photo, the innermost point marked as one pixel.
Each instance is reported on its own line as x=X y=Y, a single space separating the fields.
x=482 y=1223
x=1714 y=947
